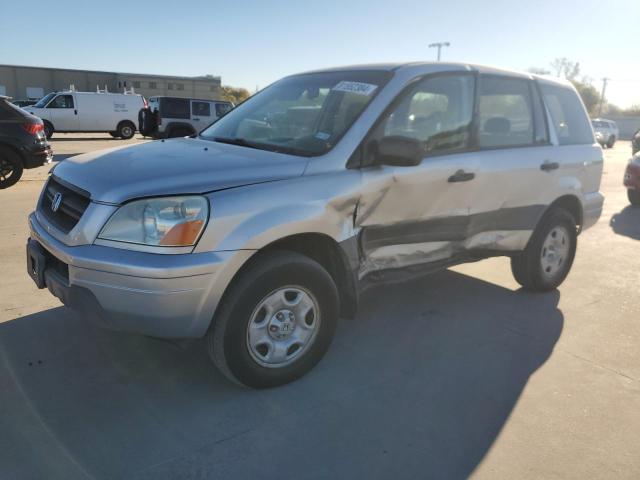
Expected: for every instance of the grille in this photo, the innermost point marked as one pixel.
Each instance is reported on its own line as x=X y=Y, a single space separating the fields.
x=73 y=204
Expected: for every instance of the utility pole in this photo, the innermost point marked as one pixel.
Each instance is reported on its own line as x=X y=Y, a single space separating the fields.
x=439 y=45
x=604 y=88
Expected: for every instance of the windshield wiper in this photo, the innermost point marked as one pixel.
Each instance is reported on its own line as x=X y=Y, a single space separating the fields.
x=246 y=143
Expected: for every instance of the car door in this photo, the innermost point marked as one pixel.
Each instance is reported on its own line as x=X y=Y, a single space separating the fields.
x=201 y=115
x=420 y=214
x=63 y=112
x=519 y=170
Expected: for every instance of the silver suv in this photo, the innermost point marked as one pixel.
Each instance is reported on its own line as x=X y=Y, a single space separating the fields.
x=606 y=132
x=265 y=229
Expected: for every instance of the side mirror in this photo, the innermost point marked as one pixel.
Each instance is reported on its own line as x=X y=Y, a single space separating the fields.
x=399 y=151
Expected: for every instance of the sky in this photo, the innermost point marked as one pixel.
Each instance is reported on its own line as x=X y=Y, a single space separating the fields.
x=253 y=43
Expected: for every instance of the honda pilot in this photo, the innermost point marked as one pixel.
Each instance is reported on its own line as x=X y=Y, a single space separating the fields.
x=263 y=230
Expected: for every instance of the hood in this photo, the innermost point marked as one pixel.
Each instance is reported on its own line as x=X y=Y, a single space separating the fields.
x=172 y=167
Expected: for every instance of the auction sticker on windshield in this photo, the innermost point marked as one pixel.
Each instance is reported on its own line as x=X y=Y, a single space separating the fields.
x=355 y=87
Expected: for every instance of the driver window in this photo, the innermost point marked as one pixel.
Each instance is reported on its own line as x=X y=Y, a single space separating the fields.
x=62 y=101
x=438 y=112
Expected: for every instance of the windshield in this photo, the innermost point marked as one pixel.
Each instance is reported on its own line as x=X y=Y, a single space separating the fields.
x=304 y=114
x=44 y=100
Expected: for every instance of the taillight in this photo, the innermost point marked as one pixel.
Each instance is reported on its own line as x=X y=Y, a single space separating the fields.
x=33 y=128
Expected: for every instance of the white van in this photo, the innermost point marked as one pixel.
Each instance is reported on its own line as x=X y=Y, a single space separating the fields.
x=71 y=111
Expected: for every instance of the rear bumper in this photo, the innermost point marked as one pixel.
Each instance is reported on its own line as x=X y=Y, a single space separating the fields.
x=592 y=209
x=173 y=296
x=37 y=157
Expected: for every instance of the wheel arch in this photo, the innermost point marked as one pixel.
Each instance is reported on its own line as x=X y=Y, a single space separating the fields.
x=175 y=125
x=570 y=203
x=324 y=250
x=14 y=149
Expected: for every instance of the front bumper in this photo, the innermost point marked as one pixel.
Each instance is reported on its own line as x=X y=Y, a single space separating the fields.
x=592 y=209
x=173 y=296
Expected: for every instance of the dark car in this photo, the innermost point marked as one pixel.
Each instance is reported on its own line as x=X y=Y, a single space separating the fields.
x=635 y=142
x=24 y=103
x=22 y=143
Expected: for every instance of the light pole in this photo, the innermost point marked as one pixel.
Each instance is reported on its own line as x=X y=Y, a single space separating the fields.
x=604 y=88
x=439 y=45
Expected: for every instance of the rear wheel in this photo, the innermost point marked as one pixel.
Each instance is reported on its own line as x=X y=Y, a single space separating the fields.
x=114 y=134
x=276 y=322
x=546 y=261
x=48 y=130
x=10 y=168
x=633 y=196
x=126 y=130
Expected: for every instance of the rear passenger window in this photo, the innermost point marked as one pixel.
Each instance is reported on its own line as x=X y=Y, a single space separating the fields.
x=222 y=108
x=438 y=112
x=504 y=112
x=568 y=115
x=175 y=108
x=201 y=109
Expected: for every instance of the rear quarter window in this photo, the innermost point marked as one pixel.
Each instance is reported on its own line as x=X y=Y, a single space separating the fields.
x=568 y=115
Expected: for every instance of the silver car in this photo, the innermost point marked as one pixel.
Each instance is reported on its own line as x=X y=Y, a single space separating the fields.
x=265 y=229
x=606 y=132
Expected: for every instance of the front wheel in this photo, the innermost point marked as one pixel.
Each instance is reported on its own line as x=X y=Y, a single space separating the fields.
x=276 y=322
x=548 y=257
x=114 y=134
x=634 y=197
x=611 y=142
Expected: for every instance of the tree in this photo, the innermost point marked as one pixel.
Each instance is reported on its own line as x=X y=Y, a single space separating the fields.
x=589 y=94
x=563 y=67
x=233 y=94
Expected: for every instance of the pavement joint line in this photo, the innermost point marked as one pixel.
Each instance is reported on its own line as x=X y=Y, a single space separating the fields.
x=596 y=364
x=183 y=455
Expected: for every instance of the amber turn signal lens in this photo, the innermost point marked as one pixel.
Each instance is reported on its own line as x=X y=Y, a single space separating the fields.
x=183 y=234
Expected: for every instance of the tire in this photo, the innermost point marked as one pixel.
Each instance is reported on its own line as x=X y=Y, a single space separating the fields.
x=634 y=197
x=298 y=281
x=10 y=168
x=548 y=257
x=48 y=130
x=126 y=130
x=611 y=142
x=179 y=133
x=114 y=134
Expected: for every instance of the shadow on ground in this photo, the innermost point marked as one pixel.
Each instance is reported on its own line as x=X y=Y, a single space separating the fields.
x=627 y=222
x=58 y=157
x=419 y=385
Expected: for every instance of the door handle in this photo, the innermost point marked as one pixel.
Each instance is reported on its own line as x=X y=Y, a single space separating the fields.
x=461 y=176
x=196 y=119
x=547 y=166
x=75 y=112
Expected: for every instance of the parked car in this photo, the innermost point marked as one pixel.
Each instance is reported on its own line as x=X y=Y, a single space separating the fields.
x=22 y=143
x=635 y=143
x=632 y=180
x=169 y=117
x=24 y=103
x=264 y=229
x=606 y=132
x=71 y=111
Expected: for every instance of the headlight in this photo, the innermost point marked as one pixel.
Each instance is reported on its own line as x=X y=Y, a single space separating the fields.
x=164 y=222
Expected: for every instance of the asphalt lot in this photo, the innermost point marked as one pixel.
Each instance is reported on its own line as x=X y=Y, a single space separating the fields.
x=457 y=374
